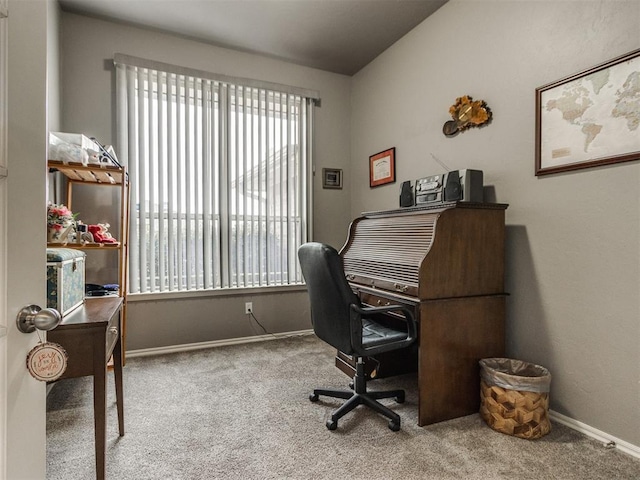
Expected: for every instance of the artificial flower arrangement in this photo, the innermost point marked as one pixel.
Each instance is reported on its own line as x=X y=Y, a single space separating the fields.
x=60 y=221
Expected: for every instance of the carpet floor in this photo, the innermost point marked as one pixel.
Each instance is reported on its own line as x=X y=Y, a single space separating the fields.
x=242 y=412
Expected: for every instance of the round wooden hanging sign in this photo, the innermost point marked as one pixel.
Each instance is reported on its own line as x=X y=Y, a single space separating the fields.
x=47 y=361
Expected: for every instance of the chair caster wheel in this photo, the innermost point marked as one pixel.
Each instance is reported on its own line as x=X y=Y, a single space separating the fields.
x=313 y=397
x=332 y=424
x=400 y=398
x=351 y=385
x=393 y=426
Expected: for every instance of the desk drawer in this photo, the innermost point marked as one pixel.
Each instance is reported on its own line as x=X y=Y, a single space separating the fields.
x=112 y=334
x=375 y=300
x=383 y=301
x=388 y=364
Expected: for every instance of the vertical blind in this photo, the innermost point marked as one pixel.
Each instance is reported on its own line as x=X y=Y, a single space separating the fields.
x=219 y=174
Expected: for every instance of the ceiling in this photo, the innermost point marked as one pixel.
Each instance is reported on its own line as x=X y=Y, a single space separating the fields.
x=340 y=36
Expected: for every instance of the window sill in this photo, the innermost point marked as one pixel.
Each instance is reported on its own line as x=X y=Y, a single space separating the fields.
x=227 y=292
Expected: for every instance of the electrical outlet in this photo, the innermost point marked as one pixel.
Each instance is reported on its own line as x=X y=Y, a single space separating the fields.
x=248 y=307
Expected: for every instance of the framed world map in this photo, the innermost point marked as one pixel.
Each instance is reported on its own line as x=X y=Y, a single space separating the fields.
x=591 y=118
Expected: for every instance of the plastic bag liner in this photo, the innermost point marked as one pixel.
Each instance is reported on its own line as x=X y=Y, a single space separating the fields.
x=515 y=375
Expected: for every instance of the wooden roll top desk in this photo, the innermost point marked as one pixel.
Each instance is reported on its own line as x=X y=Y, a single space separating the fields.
x=445 y=263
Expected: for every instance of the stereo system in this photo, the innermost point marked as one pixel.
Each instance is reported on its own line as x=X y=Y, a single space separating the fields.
x=455 y=186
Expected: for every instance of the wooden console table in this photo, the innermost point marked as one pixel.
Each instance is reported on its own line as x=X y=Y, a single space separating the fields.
x=91 y=335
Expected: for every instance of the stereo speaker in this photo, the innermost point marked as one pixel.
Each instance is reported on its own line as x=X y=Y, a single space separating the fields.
x=406 y=194
x=452 y=189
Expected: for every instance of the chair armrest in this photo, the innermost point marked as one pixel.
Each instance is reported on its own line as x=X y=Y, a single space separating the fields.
x=412 y=327
x=357 y=313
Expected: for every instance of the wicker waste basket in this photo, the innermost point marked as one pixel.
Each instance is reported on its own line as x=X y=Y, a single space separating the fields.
x=514 y=397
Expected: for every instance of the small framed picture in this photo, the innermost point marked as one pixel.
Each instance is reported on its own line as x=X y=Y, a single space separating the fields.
x=331 y=178
x=382 y=168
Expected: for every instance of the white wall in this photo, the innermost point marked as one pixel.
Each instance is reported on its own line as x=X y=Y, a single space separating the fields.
x=88 y=106
x=573 y=239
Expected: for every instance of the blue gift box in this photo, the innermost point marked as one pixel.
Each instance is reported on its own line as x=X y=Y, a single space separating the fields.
x=65 y=279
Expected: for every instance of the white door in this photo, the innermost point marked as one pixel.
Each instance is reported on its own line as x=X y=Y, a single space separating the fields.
x=23 y=237
x=3 y=240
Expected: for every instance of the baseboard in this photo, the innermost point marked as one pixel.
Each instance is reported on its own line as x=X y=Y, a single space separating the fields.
x=608 y=440
x=144 y=352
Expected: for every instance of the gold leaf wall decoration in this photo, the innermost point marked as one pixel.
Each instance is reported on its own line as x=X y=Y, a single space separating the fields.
x=466 y=113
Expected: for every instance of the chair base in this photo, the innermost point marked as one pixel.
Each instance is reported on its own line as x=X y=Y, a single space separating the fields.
x=360 y=396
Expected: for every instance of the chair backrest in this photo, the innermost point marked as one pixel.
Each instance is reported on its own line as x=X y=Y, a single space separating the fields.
x=330 y=295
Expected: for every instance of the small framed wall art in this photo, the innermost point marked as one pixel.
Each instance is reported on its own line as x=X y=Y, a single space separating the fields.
x=589 y=119
x=382 y=168
x=331 y=178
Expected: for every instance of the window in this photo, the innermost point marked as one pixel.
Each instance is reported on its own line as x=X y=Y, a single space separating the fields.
x=219 y=178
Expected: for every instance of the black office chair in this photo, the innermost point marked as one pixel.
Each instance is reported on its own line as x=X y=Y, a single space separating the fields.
x=339 y=319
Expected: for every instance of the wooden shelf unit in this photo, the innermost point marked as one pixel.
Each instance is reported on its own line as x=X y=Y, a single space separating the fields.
x=101 y=175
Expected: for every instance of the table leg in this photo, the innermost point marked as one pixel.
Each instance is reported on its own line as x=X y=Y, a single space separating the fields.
x=117 y=373
x=99 y=409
